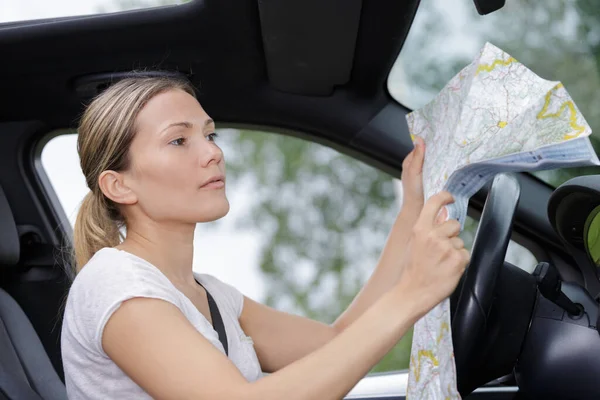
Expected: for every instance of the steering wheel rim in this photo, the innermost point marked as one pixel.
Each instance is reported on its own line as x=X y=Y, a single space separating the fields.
x=476 y=296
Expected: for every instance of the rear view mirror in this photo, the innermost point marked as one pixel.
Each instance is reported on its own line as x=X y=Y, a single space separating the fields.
x=488 y=6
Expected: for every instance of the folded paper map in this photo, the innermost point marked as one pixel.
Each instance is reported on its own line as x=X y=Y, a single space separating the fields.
x=494 y=116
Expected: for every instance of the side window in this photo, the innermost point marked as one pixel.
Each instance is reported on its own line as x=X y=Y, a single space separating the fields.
x=305 y=229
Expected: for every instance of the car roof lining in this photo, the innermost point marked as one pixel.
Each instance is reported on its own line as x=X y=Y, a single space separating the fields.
x=220 y=44
x=309 y=44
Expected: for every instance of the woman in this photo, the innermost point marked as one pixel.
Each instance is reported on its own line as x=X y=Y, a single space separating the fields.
x=138 y=323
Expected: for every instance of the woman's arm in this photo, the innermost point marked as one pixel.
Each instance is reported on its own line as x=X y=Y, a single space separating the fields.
x=153 y=343
x=386 y=273
x=160 y=350
x=389 y=268
x=281 y=338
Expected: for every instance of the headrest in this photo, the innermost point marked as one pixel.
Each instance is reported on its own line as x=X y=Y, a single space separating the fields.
x=9 y=236
x=569 y=206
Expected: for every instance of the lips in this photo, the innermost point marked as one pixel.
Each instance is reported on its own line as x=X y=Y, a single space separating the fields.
x=214 y=182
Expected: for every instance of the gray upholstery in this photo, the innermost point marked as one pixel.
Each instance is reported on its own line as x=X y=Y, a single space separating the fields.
x=25 y=369
x=22 y=353
x=9 y=238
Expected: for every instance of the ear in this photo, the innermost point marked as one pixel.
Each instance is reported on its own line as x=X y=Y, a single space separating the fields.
x=113 y=186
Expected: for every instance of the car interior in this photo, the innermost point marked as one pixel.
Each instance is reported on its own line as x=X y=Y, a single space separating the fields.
x=516 y=334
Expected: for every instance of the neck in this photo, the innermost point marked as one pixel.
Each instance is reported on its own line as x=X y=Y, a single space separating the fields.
x=169 y=247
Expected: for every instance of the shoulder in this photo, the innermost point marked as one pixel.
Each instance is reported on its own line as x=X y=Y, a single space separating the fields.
x=114 y=267
x=104 y=283
x=112 y=272
x=222 y=292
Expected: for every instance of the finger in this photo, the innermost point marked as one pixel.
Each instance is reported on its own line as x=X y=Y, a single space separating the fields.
x=442 y=216
x=449 y=228
x=416 y=164
x=466 y=257
x=457 y=243
x=432 y=207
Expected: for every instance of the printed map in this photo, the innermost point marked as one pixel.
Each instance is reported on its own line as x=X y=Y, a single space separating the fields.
x=494 y=116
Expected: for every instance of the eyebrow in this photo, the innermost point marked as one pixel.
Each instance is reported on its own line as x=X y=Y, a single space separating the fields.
x=186 y=124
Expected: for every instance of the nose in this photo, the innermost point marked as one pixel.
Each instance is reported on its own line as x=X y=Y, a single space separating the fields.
x=210 y=153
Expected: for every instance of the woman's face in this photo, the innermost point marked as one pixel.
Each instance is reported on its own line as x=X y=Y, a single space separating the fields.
x=177 y=170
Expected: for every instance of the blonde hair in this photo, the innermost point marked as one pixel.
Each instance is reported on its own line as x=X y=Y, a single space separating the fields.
x=106 y=130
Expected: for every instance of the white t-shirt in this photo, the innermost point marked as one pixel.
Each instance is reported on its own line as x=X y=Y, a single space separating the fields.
x=113 y=276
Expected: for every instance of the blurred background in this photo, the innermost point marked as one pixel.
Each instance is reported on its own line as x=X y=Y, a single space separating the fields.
x=307 y=223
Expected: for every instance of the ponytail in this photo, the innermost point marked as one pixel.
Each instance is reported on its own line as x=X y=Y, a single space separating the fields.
x=95 y=228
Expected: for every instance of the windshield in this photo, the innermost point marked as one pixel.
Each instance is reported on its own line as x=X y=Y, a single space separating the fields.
x=558 y=40
x=23 y=10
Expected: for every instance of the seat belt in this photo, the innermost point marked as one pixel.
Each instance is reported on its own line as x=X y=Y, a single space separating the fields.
x=217 y=321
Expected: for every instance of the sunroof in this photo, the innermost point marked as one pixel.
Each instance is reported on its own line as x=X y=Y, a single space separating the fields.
x=23 y=10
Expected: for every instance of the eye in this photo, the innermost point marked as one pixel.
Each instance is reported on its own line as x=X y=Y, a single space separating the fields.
x=178 y=142
x=212 y=137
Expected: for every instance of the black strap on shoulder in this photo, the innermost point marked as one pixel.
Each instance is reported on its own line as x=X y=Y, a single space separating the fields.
x=217 y=321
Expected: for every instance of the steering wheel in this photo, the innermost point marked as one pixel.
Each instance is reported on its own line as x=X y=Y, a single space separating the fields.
x=476 y=293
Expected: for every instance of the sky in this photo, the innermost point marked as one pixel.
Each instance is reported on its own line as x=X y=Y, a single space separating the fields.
x=19 y=10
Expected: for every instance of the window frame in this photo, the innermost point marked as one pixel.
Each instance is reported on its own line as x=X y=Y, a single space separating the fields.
x=67 y=228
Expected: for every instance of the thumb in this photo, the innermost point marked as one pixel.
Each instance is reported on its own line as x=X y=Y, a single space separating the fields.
x=433 y=206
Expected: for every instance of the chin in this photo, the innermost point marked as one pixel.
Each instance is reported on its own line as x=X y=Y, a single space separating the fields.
x=217 y=211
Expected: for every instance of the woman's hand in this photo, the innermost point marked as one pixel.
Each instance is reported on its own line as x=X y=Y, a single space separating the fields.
x=392 y=259
x=412 y=179
x=436 y=257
